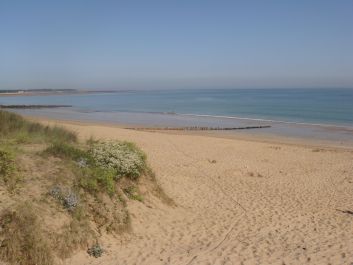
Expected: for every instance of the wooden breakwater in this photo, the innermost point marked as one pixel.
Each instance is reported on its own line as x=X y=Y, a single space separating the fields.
x=33 y=106
x=197 y=128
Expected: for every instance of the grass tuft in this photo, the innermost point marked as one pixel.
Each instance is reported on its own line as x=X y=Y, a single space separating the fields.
x=96 y=179
x=67 y=151
x=132 y=193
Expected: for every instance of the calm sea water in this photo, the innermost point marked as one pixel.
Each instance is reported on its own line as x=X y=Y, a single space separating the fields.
x=325 y=114
x=326 y=106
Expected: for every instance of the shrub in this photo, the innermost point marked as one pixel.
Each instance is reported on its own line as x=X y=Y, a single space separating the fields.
x=133 y=194
x=124 y=157
x=95 y=251
x=90 y=177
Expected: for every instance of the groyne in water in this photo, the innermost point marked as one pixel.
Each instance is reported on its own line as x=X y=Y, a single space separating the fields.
x=196 y=128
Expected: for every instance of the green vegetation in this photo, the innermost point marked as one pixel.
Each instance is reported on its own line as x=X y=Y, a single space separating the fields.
x=125 y=158
x=97 y=179
x=132 y=193
x=67 y=151
x=7 y=165
x=17 y=128
x=8 y=170
x=98 y=168
x=85 y=186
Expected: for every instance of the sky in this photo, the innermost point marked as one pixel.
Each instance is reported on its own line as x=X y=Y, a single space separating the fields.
x=176 y=44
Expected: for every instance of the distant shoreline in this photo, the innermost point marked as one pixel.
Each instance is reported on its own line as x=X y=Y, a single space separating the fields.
x=33 y=106
x=39 y=92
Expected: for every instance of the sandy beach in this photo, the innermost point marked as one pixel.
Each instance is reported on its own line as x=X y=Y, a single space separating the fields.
x=237 y=201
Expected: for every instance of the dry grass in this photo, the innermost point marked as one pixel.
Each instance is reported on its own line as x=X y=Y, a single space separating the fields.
x=23 y=241
x=108 y=214
x=76 y=235
x=9 y=174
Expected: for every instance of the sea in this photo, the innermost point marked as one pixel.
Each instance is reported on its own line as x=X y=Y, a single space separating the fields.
x=325 y=114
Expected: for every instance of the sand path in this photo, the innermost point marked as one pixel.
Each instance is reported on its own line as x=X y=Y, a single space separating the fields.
x=256 y=203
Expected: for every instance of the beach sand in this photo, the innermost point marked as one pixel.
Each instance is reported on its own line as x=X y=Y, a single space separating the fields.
x=238 y=201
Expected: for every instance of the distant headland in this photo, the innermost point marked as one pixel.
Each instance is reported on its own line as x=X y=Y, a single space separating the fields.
x=48 y=91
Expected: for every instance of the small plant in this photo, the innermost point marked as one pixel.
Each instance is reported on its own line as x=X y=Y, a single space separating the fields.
x=91 y=140
x=132 y=193
x=82 y=163
x=68 y=198
x=124 y=157
x=56 y=192
x=95 y=251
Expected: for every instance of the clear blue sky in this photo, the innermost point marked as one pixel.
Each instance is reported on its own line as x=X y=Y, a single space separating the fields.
x=175 y=44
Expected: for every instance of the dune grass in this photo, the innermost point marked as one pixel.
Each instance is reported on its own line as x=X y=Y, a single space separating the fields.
x=23 y=131
x=7 y=165
x=67 y=151
x=24 y=242
x=9 y=174
x=77 y=234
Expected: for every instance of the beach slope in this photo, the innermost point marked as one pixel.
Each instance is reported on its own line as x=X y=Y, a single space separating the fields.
x=237 y=202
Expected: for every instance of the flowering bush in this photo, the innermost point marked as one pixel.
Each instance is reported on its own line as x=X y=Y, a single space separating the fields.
x=123 y=157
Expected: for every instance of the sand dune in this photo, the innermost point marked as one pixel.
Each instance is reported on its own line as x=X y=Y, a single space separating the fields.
x=238 y=202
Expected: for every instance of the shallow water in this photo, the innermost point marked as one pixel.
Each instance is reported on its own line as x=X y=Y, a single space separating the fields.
x=325 y=114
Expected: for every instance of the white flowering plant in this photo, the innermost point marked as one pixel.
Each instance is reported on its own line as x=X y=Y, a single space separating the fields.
x=124 y=157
